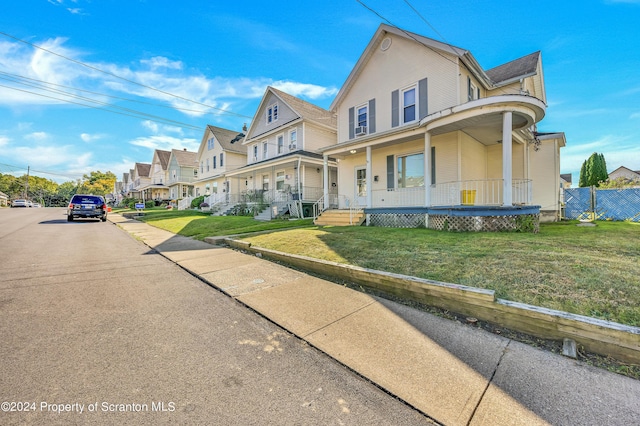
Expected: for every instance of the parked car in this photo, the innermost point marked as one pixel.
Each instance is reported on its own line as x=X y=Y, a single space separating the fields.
x=37 y=205
x=87 y=206
x=20 y=203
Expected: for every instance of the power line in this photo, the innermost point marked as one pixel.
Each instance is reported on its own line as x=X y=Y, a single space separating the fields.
x=21 y=77
x=120 y=77
x=132 y=113
x=408 y=34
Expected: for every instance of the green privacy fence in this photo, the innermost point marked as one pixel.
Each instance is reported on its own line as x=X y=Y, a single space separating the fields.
x=602 y=204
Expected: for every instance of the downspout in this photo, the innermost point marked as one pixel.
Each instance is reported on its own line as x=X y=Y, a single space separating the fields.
x=301 y=212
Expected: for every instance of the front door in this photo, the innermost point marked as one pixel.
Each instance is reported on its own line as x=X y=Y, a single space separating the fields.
x=361 y=186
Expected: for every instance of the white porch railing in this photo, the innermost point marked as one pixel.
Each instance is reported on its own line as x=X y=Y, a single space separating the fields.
x=335 y=201
x=185 y=203
x=487 y=192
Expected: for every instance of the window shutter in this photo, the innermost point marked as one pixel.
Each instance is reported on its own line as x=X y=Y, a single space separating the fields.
x=351 y=123
x=395 y=108
x=422 y=93
x=372 y=116
x=390 y=173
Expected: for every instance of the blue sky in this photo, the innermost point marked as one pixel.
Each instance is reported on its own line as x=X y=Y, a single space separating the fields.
x=218 y=57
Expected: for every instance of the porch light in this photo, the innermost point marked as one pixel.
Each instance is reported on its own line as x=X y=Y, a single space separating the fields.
x=353 y=151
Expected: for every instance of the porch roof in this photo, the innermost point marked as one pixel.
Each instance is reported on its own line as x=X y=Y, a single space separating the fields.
x=481 y=119
x=292 y=157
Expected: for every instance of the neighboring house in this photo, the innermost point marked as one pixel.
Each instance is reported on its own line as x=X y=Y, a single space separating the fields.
x=625 y=173
x=126 y=185
x=424 y=132
x=4 y=199
x=216 y=157
x=141 y=181
x=183 y=172
x=285 y=171
x=565 y=180
x=159 y=174
x=117 y=192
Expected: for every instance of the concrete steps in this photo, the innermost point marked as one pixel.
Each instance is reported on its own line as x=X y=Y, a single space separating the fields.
x=339 y=218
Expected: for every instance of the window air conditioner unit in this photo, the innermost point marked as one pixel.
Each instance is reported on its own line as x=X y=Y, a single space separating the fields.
x=292 y=147
x=361 y=130
x=255 y=158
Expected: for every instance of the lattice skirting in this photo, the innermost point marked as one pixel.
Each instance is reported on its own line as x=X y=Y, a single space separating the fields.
x=509 y=223
x=398 y=220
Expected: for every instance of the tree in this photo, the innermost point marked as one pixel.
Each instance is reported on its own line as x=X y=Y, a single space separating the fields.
x=593 y=171
x=97 y=183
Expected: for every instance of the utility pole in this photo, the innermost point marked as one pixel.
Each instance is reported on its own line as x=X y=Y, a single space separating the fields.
x=26 y=186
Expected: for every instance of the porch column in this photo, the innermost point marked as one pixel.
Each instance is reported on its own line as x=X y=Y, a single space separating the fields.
x=427 y=169
x=325 y=181
x=507 y=166
x=368 y=177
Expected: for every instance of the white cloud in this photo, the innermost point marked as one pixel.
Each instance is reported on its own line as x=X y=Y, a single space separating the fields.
x=634 y=115
x=162 y=62
x=156 y=128
x=166 y=143
x=86 y=137
x=310 y=91
x=36 y=136
x=4 y=140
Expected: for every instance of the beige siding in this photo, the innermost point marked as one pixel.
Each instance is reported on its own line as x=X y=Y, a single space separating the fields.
x=446 y=157
x=473 y=158
x=545 y=174
x=285 y=115
x=381 y=76
x=316 y=137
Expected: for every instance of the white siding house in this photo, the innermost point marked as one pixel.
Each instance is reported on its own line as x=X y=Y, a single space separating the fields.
x=422 y=128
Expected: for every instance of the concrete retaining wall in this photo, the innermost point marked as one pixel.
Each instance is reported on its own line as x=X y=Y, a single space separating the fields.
x=601 y=337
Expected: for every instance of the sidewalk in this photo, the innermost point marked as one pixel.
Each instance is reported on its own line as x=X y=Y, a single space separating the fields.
x=455 y=374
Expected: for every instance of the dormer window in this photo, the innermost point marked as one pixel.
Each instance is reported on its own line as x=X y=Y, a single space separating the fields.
x=272 y=113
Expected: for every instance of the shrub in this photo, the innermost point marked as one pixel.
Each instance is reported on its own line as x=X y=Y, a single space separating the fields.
x=149 y=204
x=197 y=201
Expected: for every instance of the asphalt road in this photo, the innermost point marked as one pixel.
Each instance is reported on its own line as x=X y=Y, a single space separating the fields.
x=98 y=329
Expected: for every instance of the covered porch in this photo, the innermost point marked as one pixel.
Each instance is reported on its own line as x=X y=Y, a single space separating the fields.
x=469 y=156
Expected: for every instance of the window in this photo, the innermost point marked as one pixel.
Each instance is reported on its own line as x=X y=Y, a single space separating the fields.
x=255 y=153
x=411 y=171
x=472 y=91
x=265 y=150
x=215 y=165
x=221 y=159
x=409 y=105
x=201 y=167
x=265 y=182
x=207 y=164
x=280 y=144
x=211 y=143
x=293 y=139
x=362 y=116
x=280 y=181
x=272 y=113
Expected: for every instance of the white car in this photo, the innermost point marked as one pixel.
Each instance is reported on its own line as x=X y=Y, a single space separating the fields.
x=20 y=203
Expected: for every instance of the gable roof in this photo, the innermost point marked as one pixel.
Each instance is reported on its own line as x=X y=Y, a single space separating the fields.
x=515 y=70
x=163 y=158
x=496 y=77
x=143 y=169
x=224 y=137
x=185 y=158
x=627 y=169
x=301 y=108
x=566 y=177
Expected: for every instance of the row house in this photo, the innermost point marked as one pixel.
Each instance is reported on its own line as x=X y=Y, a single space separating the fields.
x=427 y=137
x=218 y=154
x=158 y=189
x=183 y=173
x=285 y=170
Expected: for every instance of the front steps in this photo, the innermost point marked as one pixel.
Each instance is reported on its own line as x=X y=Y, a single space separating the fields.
x=340 y=218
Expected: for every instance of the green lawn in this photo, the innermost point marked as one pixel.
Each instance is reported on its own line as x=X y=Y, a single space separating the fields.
x=196 y=224
x=592 y=271
x=588 y=271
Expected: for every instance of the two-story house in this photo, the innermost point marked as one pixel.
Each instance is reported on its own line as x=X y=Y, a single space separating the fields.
x=140 y=180
x=285 y=170
x=217 y=155
x=159 y=175
x=426 y=137
x=183 y=172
